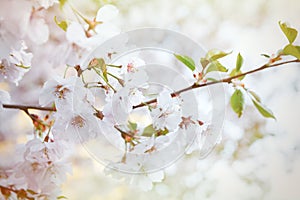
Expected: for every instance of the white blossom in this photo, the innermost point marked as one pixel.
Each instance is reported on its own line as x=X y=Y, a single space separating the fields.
x=78 y=34
x=135 y=172
x=16 y=65
x=167 y=113
x=64 y=92
x=76 y=123
x=42 y=169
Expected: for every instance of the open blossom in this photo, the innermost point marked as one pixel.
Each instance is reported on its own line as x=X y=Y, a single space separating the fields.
x=16 y=65
x=123 y=101
x=57 y=89
x=128 y=96
x=151 y=144
x=63 y=91
x=141 y=178
x=41 y=169
x=76 y=123
x=44 y=166
x=103 y=29
x=167 y=113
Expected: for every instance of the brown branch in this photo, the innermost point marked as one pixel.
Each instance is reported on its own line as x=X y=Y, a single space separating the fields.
x=225 y=80
x=26 y=108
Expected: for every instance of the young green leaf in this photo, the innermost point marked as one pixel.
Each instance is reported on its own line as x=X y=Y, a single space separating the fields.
x=103 y=68
x=132 y=126
x=289 y=32
x=237 y=102
x=235 y=73
x=211 y=79
x=264 y=111
x=239 y=62
x=204 y=62
x=189 y=62
x=63 y=24
x=292 y=50
x=254 y=95
x=149 y=131
x=215 y=54
x=215 y=66
x=265 y=55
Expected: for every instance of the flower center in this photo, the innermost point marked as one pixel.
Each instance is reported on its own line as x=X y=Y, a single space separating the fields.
x=60 y=93
x=78 y=121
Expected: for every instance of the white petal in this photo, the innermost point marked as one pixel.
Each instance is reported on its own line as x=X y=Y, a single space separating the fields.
x=107 y=13
x=75 y=34
x=106 y=30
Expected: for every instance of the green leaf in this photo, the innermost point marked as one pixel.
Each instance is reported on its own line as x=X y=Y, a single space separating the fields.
x=265 y=55
x=99 y=63
x=237 y=102
x=254 y=95
x=204 y=62
x=215 y=54
x=262 y=109
x=239 y=62
x=189 y=62
x=211 y=79
x=63 y=24
x=289 y=32
x=292 y=50
x=132 y=126
x=149 y=131
x=216 y=66
x=235 y=73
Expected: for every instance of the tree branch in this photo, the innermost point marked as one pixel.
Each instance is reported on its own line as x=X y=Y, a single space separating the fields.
x=225 y=80
x=26 y=108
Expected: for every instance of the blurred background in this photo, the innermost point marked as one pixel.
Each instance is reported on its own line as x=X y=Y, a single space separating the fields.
x=257 y=158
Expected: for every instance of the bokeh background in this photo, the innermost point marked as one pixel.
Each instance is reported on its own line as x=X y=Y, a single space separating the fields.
x=257 y=158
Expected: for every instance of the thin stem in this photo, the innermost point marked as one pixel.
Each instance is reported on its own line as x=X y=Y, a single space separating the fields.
x=225 y=80
x=105 y=80
x=115 y=66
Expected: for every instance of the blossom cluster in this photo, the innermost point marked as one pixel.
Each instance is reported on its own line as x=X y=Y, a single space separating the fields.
x=99 y=102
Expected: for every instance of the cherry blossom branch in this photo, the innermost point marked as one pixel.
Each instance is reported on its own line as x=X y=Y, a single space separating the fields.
x=225 y=80
x=176 y=93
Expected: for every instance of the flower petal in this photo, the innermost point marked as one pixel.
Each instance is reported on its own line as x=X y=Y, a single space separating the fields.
x=107 y=13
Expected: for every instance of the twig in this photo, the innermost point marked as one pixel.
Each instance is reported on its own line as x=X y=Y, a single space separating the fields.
x=26 y=108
